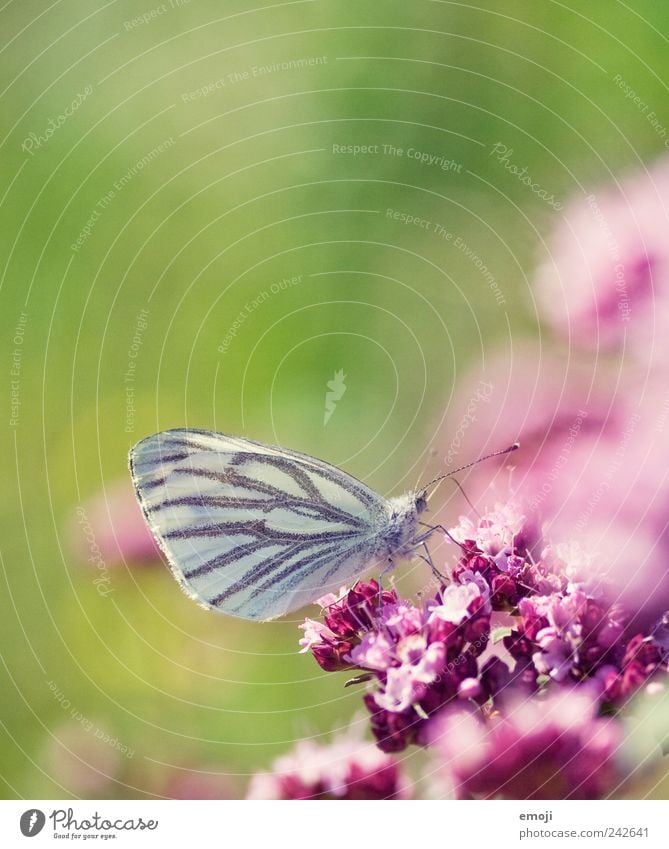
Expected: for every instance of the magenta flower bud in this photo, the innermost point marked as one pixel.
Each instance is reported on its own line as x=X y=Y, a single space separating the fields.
x=470 y=688
x=332 y=658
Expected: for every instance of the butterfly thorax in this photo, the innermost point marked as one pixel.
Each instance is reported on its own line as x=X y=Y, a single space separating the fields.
x=398 y=537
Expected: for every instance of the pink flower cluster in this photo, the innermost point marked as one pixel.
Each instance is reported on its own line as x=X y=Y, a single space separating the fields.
x=557 y=636
x=419 y=656
x=565 y=629
x=346 y=768
x=590 y=407
x=554 y=748
x=607 y=273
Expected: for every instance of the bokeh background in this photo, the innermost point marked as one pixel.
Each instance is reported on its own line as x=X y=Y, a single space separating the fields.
x=210 y=212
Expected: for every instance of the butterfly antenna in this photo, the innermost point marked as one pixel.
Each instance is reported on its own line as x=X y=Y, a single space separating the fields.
x=509 y=450
x=466 y=497
x=432 y=452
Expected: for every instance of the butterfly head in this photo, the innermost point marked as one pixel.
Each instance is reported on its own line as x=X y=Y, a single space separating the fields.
x=421 y=502
x=398 y=535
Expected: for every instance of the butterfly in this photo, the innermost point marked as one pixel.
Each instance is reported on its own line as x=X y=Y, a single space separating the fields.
x=258 y=531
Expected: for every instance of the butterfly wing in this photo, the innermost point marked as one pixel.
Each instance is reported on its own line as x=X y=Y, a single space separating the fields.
x=249 y=529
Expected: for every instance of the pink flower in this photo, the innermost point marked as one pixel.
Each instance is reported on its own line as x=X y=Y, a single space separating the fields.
x=416 y=655
x=470 y=688
x=314 y=632
x=198 y=783
x=554 y=629
x=457 y=601
x=82 y=762
x=571 y=636
x=607 y=273
x=498 y=534
x=402 y=688
x=592 y=469
x=110 y=528
x=373 y=652
x=554 y=657
x=347 y=618
x=346 y=768
x=549 y=749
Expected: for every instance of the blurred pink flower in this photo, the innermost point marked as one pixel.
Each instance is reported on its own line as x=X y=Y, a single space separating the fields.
x=553 y=748
x=110 y=528
x=81 y=761
x=607 y=272
x=346 y=768
x=198 y=784
x=593 y=464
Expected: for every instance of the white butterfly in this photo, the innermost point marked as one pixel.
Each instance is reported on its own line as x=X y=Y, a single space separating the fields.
x=258 y=531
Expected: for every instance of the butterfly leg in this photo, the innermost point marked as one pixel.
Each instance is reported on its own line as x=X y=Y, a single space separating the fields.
x=445 y=530
x=428 y=559
x=385 y=571
x=388 y=568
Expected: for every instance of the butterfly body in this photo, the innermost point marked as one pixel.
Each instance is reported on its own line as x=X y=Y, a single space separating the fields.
x=400 y=536
x=256 y=530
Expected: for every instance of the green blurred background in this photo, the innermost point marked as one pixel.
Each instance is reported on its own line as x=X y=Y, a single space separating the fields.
x=204 y=153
